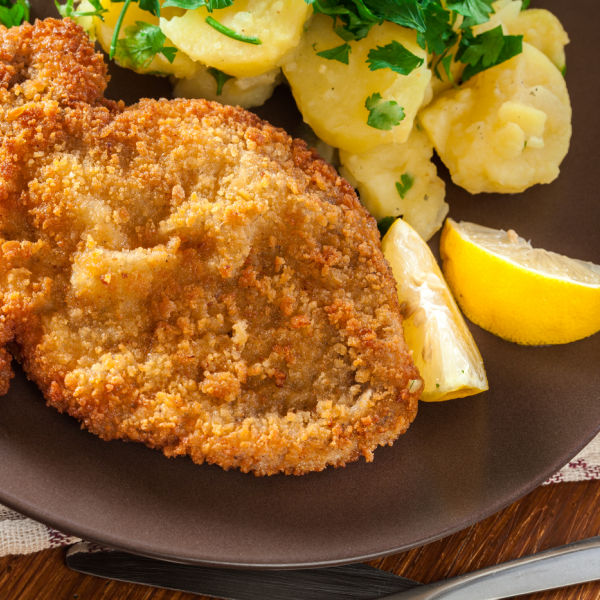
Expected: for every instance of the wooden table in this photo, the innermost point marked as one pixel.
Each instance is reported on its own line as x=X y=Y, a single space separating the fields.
x=547 y=517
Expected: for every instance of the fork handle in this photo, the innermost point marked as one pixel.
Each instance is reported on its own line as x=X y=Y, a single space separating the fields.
x=567 y=565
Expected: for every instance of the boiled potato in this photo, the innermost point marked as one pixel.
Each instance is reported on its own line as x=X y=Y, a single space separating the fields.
x=182 y=66
x=242 y=91
x=506 y=128
x=331 y=95
x=504 y=12
x=443 y=82
x=541 y=29
x=376 y=172
x=86 y=23
x=278 y=25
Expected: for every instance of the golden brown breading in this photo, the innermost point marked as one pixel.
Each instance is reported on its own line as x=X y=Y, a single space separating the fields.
x=183 y=274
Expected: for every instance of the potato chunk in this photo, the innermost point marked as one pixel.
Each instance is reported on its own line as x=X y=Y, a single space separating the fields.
x=278 y=25
x=241 y=91
x=504 y=12
x=331 y=95
x=506 y=128
x=376 y=173
x=182 y=66
x=541 y=29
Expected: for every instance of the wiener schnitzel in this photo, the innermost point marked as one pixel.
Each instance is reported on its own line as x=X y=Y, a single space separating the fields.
x=183 y=274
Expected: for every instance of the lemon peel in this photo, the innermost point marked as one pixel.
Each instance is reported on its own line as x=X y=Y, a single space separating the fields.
x=523 y=294
x=442 y=345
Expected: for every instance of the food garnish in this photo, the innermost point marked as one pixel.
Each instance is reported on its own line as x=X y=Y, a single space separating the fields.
x=234 y=35
x=13 y=12
x=442 y=345
x=523 y=294
x=383 y=114
x=141 y=44
x=436 y=26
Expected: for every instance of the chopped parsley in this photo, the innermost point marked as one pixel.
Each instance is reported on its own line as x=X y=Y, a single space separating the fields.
x=405 y=183
x=394 y=56
x=210 y=5
x=383 y=114
x=384 y=224
x=151 y=6
x=474 y=12
x=486 y=50
x=141 y=44
x=13 y=14
x=240 y=37
x=439 y=35
x=435 y=22
x=68 y=9
x=339 y=53
x=220 y=77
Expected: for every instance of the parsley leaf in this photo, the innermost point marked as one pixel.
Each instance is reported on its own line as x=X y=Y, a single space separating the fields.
x=407 y=13
x=405 y=183
x=152 y=6
x=220 y=77
x=117 y=30
x=439 y=34
x=240 y=37
x=68 y=10
x=394 y=56
x=339 y=53
x=13 y=14
x=433 y=20
x=384 y=224
x=445 y=61
x=486 y=50
x=354 y=16
x=474 y=11
x=525 y=4
x=383 y=114
x=210 y=5
x=141 y=44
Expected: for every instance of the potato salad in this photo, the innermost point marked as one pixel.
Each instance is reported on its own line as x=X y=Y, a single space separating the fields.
x=384 y=82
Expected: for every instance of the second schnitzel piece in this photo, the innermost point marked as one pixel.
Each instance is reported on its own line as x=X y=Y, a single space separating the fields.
x=183 y=274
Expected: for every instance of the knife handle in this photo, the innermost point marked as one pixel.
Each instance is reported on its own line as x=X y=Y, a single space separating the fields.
x=567 y=565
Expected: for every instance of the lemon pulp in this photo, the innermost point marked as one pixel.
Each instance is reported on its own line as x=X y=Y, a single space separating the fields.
x=442 y=345
x=523 y=294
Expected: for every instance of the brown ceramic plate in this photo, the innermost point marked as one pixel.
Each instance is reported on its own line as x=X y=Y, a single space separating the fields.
x=459 y=462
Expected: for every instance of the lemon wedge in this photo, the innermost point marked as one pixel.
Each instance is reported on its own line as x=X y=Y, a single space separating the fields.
x=522 y=294
x=442 y=346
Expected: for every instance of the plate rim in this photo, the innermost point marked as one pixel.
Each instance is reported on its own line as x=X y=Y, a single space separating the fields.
x=64 y=526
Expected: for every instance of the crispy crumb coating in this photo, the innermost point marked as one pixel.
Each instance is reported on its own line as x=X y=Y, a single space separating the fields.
x=183 y=274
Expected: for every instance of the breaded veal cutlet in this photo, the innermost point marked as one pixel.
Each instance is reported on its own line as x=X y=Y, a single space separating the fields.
x=183 y=274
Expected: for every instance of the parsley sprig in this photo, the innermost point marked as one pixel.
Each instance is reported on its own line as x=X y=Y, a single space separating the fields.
x=339 y=53
x=13 y=13
x=444 y=30
x=394 y=56
x=220 y=77
x=405 y=184
x=68 y=9
x=383 y=114
x=240 y=37
x=142 y=42
x=210 y=5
